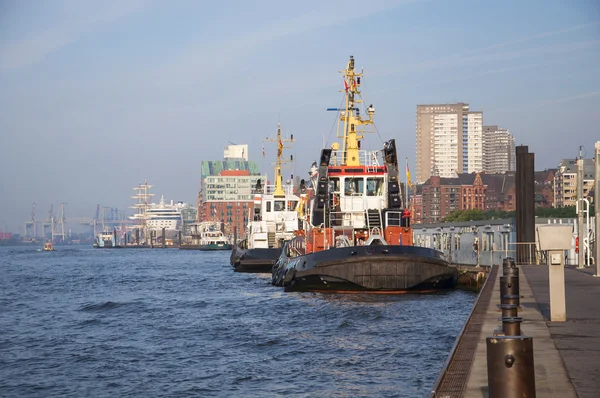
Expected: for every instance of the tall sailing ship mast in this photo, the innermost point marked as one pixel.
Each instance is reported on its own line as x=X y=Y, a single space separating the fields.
x=143 y=197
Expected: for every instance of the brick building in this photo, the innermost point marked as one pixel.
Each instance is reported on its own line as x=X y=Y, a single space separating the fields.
x=440 y=196
x=226 y=192
x=544 y=188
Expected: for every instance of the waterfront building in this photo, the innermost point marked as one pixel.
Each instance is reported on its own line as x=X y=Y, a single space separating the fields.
x=565 y=181
x=189 y=215
x=498 y=150
x=440 y=196
x=449 y=141
x=544 y=187
x=226 y=192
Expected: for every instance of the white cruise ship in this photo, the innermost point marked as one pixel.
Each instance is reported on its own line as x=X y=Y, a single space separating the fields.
x=164 y=215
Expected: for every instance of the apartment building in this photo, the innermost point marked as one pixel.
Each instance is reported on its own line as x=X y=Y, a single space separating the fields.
x=449 y=141
x=565 y=181
x=498 y=150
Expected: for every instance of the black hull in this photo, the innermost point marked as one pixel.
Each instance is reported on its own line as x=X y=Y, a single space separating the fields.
x=259 y=261
x=375 y=269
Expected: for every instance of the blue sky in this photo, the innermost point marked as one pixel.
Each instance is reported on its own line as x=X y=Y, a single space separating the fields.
x=98 y=96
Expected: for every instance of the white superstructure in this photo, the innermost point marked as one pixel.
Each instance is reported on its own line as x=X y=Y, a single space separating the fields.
x=164 y=215
x=273 y=219
x=208 y=233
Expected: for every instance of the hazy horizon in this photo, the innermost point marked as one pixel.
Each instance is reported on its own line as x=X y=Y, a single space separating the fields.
x=97 y=97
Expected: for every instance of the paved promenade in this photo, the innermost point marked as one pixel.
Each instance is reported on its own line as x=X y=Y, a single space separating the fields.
x=578 y=339
x=566 y=354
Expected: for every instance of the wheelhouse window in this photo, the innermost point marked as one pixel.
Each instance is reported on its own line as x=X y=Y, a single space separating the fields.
x=279 y=205
x=334 y=184
x=374 y=186
x=291 y=205
x=354 y=186
x=268 y=206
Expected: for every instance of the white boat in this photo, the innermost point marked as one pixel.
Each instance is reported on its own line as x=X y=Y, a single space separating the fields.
x=272 y=221
x=164 y=215
x=207 y=236
x=105 y=240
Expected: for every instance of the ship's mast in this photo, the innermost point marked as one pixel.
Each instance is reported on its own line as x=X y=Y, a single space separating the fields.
x=143 y=202
x=350 y=119
x=278 y=176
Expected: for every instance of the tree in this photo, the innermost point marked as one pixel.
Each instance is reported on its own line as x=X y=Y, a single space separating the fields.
x=475 y=215
x=559 y=212
x=465 y=215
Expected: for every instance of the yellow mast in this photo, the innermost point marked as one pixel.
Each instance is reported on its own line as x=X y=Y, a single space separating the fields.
x=350 y=117
x=278 y=176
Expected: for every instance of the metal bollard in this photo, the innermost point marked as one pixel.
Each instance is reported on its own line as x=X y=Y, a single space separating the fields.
x=510 y=367
x=510 y=299
x=508 y=309
x=509 y=285
x=510 y=272
x=511 y=325
x=508 y=262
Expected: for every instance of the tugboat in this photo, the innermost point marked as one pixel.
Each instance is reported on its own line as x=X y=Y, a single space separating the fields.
x=273 y=220
x=356 y=234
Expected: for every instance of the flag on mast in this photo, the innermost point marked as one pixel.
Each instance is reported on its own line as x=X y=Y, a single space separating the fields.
x=408 y=175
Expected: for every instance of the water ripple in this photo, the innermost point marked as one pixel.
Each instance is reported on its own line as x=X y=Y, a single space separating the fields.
x=85 y=322
x=105 y=306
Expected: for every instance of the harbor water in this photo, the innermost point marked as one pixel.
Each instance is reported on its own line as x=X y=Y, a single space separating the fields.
x=139 y=322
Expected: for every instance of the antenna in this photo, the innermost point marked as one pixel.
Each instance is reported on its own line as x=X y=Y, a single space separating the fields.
x=351 y=125
x=278 y=177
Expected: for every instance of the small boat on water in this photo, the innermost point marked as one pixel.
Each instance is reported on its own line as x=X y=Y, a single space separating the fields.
x=48 y=247
x=212 y=238
x=105 y=240
x=272 y=220
x=356 y=234
x=207 y=236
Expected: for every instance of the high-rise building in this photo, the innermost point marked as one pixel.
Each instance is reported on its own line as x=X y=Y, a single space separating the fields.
x=498 y=150
x=189 y=215
x=473 y=163
x=226 y=191
x=449 y=141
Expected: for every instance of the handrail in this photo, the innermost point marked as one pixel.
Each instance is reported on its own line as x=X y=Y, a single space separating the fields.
x=367 y=158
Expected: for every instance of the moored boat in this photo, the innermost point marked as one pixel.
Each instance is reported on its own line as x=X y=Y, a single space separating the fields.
x=272 y=220
x=356 y=234
x=106 y=240
x=207 y=236
x=212 y=238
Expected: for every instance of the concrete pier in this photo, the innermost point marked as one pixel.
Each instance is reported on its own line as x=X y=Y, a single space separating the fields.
x=566 y=354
